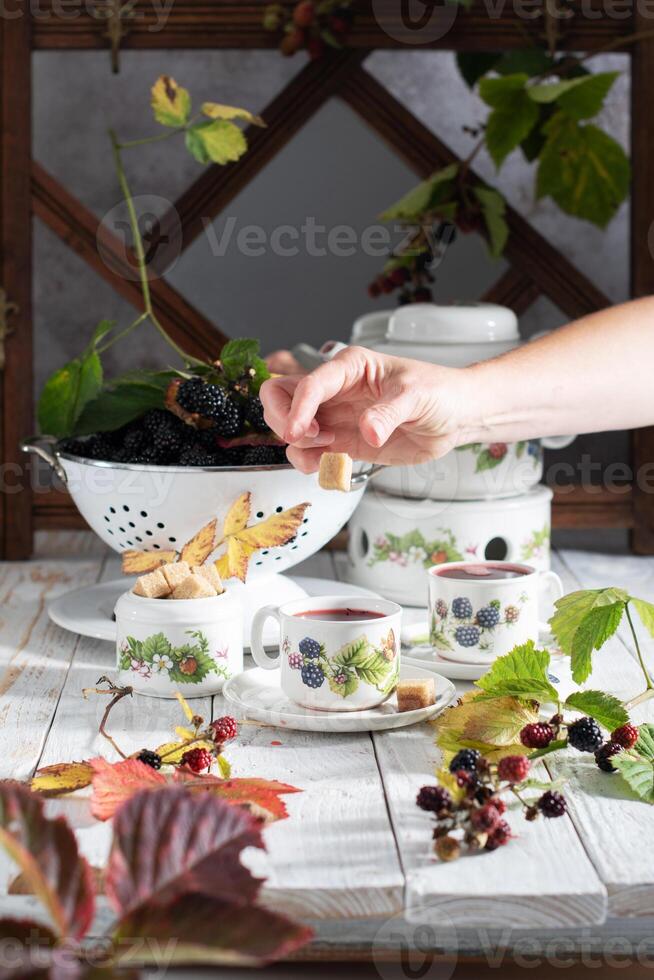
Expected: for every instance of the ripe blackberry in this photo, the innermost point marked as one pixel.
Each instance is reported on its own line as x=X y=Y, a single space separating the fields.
x=134 y=441
x=537 y=736
x=74 y=447
x=625 y=735
x=488 y=617
x=511 y=614
x=462 y=608
x=150 y=759
x=260 y=456
x=146 y=457
x=156 y=419
x=312 y=675
x=485 y=818
x=465 y=759
x=224 y=729
x=167 y=443
x=211 y=402
x=501 y=835
x=196 y=456
x=100 y=446
x=435 y=799
x=467 y=636
x=280 y=455
x=234 y=455
x=441 y=608
x=605 y=753
x=254 y=415
x=585 y=735
x=295 y=661
x=310 y=648
x=197 y=759
x=552 y=804
x=513 y=768
x=189 y=394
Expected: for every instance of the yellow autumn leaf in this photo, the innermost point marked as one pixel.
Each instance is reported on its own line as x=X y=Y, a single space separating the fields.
x=276 y=530
x=142 y=562
x=171 y=752
x=448 y=781
x=197 y=550
x=189 y=714
x=62 y=777
x=234 y=563
x=238 y=515
x=217 y=111
x=491 y=727
x=171 y=103
x=183 y=733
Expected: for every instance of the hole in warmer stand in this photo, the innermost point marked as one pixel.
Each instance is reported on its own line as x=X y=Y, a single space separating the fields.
x=496 y=550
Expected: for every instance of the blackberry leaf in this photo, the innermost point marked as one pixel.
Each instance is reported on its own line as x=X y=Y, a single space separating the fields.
x=637 y=765
x=584 y=621
x=604 y=708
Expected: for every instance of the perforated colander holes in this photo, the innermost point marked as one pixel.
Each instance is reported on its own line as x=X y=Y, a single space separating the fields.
x=292 y=545
x=135 y=528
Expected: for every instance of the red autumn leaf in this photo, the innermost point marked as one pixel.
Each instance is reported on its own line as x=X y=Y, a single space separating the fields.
x=116 y=782
x=261 y=796
x=46 y=851
x=208 y=931
x=170 y=842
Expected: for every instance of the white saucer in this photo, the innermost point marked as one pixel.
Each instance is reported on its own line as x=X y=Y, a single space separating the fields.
x=89 y=611
x=257 y=693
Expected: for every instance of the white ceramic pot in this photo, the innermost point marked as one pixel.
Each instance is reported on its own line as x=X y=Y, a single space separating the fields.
x=333 y=665
x=392 y=541
x=169 y=645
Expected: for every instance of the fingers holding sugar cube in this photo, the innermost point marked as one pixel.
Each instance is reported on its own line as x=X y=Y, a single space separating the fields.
x=335 y=472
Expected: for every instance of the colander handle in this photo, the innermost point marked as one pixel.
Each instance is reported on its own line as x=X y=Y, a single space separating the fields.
x=32 y=445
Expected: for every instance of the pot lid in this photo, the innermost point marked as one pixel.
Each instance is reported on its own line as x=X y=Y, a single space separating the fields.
x=428 y=323
x=370 y=326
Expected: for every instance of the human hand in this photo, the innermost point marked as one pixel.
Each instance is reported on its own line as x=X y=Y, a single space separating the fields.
x=372 y=406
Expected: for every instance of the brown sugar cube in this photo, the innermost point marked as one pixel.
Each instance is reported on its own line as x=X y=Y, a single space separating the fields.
x=194 y=587
x=152 y=586
x=175 y=573
x=414 y=694
x=335 y=471
x=210 y=573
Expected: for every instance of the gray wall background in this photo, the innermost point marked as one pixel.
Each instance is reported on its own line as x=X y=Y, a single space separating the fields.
x=336 y=171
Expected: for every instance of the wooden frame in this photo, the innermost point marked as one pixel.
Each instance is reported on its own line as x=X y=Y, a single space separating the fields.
x=536 y=266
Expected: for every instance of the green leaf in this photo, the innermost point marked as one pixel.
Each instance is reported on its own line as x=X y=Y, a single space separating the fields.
x=636 y=765
x=492 y=727
x=579 y=98
x=485 y=461
x=344 y=690
x=67 y=392
x=493 y=207
x=119 y=404
x=224 y=766
x=354 y=653
x=521 y=673
x=374 y=670
x=608 y=710
x=527 y=61
x=420 y=199
x=157 y=644
x=583 y=169
x=645 y=611
x=218 y=141
x=583 y=622
x=514 y=114
x=240 y=356
x=474 y=64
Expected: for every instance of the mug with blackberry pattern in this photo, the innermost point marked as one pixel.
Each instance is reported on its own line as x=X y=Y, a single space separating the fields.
x=480 y=611
x=336 y=653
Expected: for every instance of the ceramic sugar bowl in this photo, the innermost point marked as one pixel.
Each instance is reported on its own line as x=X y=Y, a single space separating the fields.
x=188 y=645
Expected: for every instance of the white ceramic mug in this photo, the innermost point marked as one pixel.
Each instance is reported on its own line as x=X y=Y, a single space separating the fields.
x=333 y=664
x=480 y=617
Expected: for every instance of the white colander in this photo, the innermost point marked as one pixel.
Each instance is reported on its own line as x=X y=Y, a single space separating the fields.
x=161 y=507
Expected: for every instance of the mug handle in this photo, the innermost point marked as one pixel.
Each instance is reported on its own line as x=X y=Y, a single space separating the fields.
x=261 y=658
x=555 y=587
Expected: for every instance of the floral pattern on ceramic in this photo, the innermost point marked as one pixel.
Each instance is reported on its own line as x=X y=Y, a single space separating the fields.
x=537 y=545
x=460 y=625
x=493 y=454
x=189 y=663
x=355 y=662
x=413 y=548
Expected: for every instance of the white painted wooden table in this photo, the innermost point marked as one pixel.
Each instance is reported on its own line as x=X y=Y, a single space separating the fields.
x=354 y=857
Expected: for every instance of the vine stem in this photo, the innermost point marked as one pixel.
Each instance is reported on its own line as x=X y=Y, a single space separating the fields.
x=123 y=333
x=645 y=695
x=648 y=679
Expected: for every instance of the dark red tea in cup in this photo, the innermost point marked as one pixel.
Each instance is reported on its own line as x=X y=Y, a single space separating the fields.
x=488 y=571
x=339 y=615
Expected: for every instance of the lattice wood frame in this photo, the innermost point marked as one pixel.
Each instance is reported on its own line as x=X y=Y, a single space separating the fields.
x=536 y=266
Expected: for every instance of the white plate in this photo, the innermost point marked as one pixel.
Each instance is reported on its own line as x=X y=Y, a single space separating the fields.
x=90 y=611
x=257 y=693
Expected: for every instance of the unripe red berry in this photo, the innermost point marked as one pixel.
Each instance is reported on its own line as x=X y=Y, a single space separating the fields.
x=498 y=803
x=537 y=736
x=304 y=14
x=513 y=768
x=197 y=759
x=625 y=735
x=224 y=729
x=486 y=818
x=500 y=836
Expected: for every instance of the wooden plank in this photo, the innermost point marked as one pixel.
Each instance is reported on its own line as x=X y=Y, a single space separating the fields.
x=80 y=230
x=284 y=116
x=526 y=248
x=513 y=289
x=583 y=508
x=16 y=280
x=223 y=24
x=612 y=826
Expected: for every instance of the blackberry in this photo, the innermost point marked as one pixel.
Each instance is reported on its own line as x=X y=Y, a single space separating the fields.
x=133 y=441
x=224 y=729
x=625 y=735
x=462 y=608
x=552 y=804
x=309 y=648
x=150 y=759
x=254 y=415
x=465 y=759
x=280 y=455
x=260 y=456
x=146 y=457
x=434 y=799
x=537 y=736
x=211 y=402
x=75 y=447
x=500 y=836
x=466 y=779
x=511 y=614
x=605 y=753
x=488 y=617
x=441 y=608
x=467 y=636
x=234 y=455
x=513 y=768
x=197 y=759
x=196 y=456
x=312 y=675
x=485 y=818
x=189 y=394
x=167 y=443
x=585 y=735
x=157 y=419
x=295 y=661
x=100 y=446
x=228 y=420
